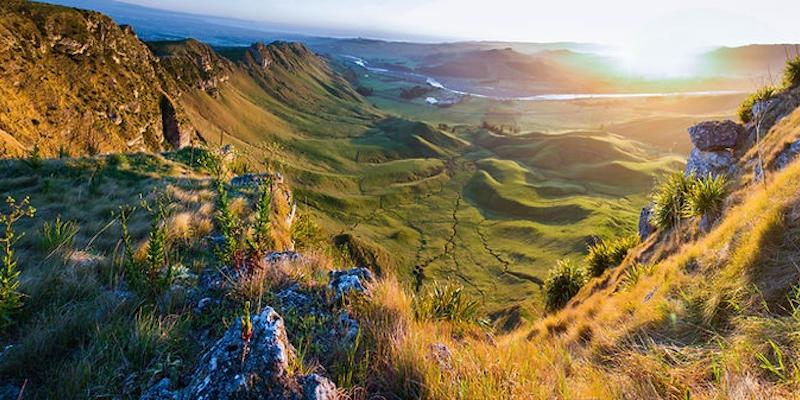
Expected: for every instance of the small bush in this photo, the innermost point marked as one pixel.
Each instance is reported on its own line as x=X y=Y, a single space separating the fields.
x=706 y=197
x=446 y=302
x=562 y=283
x=34 y=159
x=228 y=225
x=607 y=254
x=58 y=234
x=669 y=200
x=791 y=74
x=745 y=110
x=10 y=298
x=261 y=241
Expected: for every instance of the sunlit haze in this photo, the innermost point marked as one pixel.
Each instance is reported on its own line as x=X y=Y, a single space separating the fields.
x=652 y=37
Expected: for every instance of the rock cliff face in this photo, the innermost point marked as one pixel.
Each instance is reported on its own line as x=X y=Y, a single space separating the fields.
x=76 y=79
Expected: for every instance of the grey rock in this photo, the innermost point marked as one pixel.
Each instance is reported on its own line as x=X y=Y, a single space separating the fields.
x=346 y=327
x=292 y=297
x=9 y=391
x=646 y=228
x=316 y=387
x=249 y=180
x=787 y=155
x=284 y=256
x=350 y=281
x=234 y=369
x=716 y=135
x=704 y=163
x=160 y=391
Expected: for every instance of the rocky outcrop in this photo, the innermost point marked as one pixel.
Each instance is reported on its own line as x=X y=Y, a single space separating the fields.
x=74 y=79
x=786 y=156
x=355 y=280
x=767 y=113
x=704 y=163
x=716 y=135
x=646 y=228
x=714 y=145
x=249 y=365
x=173 y=134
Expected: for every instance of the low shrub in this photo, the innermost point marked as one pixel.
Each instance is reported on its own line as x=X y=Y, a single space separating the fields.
x=669 y=200
x=745 y=110
x=10 y=297
x=791 y=74
x=706 y=196
x=58 y=234
x=607 y=254
x=34 y=159
x=563 y=283
x=446 y=302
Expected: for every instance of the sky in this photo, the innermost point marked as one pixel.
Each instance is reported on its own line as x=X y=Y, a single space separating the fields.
x=624 y=23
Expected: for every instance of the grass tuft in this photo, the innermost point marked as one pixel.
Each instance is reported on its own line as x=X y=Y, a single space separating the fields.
x=606 y=254
x=707 y=196
x=563 y=283
x=669 y=200
x=58 y=234
x=791 y=74
x=446 y=302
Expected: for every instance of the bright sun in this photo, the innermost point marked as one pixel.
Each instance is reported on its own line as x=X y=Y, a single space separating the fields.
x=658 y=62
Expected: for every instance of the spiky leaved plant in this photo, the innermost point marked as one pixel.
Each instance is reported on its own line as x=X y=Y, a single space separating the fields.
x=446 y=302
x=563 y=283
x=707 y=196
x=669 y=199
x=609 y=253
x=10 y=297
x=228 y=225
x=791 y=74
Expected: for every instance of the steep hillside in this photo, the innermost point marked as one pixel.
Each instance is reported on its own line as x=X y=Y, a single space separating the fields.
x=75 y=79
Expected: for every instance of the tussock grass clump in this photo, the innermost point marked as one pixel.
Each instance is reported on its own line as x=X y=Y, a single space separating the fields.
x=58 y=234
x=609 y=253
x=706 y=196
x=446 y=302
x=745 y=111
x=634 y=274
x=670 y=199
x=791 y=74
x=562 y=283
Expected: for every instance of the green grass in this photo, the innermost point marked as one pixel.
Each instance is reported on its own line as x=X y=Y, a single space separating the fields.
x=609 y=253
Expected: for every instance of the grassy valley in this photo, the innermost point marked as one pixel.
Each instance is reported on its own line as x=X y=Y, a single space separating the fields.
x=184 y=221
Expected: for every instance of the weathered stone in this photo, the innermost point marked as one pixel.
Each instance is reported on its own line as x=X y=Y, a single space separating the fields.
x=160 y=391
x=258 y=368
x=293 y=297
x=646 y=228
x=704 y=163
x=282 y=256
x=316 y=387
x=716 y=135
x=346 y=328
x=249 y=180
x=350 y=281
x=787 y=155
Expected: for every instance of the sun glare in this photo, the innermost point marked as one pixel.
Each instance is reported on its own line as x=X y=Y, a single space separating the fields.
x=658 y=62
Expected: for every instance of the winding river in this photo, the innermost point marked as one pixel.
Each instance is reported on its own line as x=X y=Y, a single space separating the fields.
x=430 y=81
